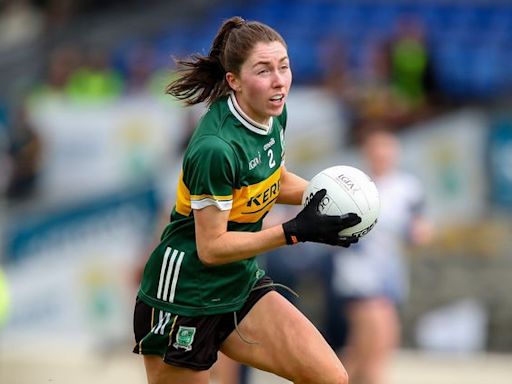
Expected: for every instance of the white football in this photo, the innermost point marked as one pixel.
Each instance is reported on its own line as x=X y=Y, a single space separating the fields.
x=348 y=190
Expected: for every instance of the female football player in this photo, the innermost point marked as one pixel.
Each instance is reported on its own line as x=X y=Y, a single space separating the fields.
x=202 y=290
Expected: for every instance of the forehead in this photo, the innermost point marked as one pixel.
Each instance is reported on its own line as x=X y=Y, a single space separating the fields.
x=266 y=51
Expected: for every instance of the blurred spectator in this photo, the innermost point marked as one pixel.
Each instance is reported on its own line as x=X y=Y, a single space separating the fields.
x=371 y=276
x=333 y=62
x=64 y=60
x=340 y=81
x=25 y=153
x=143 y=70
x=409 y=63
x=390 y=82
x=365 y=92
x=374 y=96
x=20 y=23
x=138 y=67
x=95 y=80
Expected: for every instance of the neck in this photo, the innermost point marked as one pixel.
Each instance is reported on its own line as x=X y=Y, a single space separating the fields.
x=261 y=125
x=243 y=110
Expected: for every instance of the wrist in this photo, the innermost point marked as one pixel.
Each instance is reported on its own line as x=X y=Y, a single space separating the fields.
x=290 y=232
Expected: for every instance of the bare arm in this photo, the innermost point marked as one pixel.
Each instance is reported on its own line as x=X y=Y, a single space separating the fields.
x=216 y=245
x=291 y=188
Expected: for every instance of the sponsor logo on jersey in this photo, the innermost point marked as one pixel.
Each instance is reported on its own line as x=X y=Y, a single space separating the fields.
x=265 y=197
x=184 y=338
x=252 y=202
x=269 y=144
x=255 y=162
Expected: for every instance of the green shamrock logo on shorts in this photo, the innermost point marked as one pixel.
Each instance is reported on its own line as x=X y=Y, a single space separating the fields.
x=184 y=338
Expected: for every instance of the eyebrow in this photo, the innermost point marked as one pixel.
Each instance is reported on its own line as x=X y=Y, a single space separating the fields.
x=266 y=62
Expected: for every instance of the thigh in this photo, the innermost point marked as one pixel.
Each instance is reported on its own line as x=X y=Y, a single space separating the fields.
x=284 y=342
x=159 y=372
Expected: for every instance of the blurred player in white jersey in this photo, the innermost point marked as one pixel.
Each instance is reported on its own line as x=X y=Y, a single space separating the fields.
x=372 y=277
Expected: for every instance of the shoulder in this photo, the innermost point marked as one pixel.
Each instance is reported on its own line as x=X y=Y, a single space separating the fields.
x=217 y=120
x=208 y=145
x=207 y=158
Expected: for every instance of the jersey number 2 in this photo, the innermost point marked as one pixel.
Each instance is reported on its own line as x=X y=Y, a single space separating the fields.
x=271 y=161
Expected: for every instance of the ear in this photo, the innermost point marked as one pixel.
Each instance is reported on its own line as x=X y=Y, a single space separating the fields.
x=233 y=81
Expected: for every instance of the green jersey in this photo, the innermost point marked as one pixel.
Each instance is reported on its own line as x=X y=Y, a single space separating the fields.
x=233 y=163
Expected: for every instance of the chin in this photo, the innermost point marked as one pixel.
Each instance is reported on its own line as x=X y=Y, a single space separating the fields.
x=276 y=111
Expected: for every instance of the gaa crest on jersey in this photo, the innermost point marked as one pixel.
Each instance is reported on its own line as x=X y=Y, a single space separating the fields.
x=184 y=338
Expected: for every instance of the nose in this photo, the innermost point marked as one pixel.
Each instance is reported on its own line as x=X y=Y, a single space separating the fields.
x=278 y=79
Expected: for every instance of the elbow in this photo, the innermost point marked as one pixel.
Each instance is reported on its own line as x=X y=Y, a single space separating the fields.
x=207 y=258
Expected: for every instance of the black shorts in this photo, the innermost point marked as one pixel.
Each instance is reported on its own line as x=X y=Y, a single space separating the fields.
x=189 y=342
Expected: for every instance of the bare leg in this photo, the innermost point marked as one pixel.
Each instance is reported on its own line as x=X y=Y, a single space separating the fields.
x=373 y=337
x=287 y=344
x=159 y=372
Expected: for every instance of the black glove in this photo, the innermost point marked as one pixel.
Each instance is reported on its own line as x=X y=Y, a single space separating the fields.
x=311 y=225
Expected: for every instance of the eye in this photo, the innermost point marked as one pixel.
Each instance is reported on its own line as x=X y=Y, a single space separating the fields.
x=263 y=71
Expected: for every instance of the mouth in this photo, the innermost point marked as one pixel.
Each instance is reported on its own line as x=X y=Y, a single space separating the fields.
x=277 y=98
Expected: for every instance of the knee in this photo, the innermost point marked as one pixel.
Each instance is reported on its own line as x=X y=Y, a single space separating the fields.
x=340 y=377
x=336 y=376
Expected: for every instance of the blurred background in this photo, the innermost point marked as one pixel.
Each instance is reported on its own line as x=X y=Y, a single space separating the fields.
x=90 y=148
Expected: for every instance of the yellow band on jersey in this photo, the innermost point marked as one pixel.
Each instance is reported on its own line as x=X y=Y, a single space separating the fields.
x=251 y=203
x=185 y=202
x=248 y=204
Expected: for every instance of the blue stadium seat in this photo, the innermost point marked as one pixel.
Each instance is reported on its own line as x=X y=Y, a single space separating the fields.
x=460 y=35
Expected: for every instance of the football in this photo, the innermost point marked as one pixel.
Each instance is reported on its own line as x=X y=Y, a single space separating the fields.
x=348 y=190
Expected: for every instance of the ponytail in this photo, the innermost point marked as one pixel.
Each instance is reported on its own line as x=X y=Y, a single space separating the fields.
x=203 y=78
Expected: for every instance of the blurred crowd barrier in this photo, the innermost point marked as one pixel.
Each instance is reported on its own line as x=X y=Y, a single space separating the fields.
x=71 y=252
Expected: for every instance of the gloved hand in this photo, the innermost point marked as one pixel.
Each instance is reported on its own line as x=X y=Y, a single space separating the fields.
x=311 y=225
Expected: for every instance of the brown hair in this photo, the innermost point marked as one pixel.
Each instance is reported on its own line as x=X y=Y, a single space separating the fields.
x=203 y=78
